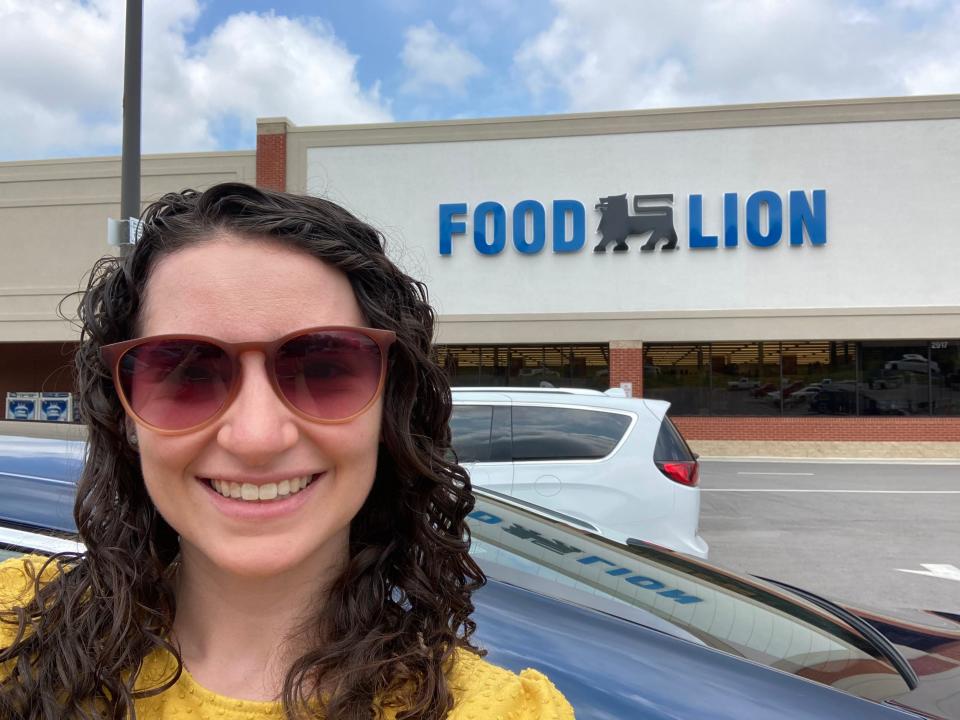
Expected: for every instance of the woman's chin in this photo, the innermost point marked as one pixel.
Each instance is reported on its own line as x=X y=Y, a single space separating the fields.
x=263 y=558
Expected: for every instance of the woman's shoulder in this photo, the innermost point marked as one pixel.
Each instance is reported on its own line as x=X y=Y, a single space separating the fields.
x=485 y=690
x=18 y=578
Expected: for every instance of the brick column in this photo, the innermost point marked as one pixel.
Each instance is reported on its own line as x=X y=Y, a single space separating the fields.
x=272 y=153
x=626 y=364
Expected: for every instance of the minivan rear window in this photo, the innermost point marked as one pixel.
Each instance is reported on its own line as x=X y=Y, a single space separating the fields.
x=553 y=433
x=671 y=447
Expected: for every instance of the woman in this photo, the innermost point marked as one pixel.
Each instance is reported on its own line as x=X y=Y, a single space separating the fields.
x=272 y=526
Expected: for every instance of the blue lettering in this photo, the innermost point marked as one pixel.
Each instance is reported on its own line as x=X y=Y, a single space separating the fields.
x=591 y=559
x=619 y=571
x=449 y=227
x=480 y=228
x=802 y=216
x=697 y=238
x=561 y=243
x=520 y=227
x=485 y=517
x=645 y=582
x=680 y=597
x=774 y=216
x=730 y=210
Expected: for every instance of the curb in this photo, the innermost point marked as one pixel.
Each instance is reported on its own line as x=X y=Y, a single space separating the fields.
x=832 y=460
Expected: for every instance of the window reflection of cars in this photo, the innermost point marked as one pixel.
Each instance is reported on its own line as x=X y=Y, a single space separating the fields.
x=743 y=383
x=640 y=632
x=885 y=379
x=913 y=362
x=538 y=373
x=788 y=390
x=805 y=394
x=835 y=401
x=763 y=390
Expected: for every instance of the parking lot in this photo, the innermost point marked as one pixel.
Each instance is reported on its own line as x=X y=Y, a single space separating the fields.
x=845 y=530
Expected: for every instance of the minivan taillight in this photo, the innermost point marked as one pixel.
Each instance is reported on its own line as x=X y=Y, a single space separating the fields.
x=685 y=473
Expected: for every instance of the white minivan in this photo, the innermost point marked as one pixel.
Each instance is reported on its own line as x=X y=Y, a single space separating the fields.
x=615 y=465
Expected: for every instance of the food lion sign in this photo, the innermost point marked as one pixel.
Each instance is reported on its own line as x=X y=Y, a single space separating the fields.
x=767 y=218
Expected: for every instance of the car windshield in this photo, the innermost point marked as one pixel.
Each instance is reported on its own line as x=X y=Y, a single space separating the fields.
x=747 y=618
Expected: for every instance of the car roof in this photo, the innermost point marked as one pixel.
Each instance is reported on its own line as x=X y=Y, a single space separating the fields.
x=562 y=396
x=610 y=667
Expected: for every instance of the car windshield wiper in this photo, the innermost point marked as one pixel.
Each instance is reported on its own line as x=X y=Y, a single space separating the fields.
x=877 y=639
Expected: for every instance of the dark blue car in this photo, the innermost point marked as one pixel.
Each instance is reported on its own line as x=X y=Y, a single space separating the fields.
x=624 y=631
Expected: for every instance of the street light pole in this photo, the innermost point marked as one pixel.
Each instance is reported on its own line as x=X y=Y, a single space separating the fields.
x=130 y=157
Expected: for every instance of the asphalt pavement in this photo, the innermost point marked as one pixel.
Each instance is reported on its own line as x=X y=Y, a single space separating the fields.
x=885 y=536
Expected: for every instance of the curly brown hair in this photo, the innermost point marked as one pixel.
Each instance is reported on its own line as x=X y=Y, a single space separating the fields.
x=401 y=607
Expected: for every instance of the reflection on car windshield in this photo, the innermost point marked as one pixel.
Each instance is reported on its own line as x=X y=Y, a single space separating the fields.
x=745 y=618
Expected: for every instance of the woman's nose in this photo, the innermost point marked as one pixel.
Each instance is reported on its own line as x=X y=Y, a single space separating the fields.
x=257 y=427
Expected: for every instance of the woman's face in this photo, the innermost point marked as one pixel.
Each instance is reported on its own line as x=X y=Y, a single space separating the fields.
x=238 y=289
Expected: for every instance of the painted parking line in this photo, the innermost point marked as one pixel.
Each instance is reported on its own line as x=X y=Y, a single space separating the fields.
x=832 y=490
x=946 y=572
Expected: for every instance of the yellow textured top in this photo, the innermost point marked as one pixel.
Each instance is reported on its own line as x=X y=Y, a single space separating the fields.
x=482 y=691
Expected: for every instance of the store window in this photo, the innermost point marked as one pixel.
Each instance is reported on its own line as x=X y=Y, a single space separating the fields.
x=895 y=378
x=679 y=374
x=586 y=366
x=945 y=377
x=746 y=378
x=819 y=378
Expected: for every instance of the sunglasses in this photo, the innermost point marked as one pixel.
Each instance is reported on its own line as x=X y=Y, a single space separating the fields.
x=180 y=383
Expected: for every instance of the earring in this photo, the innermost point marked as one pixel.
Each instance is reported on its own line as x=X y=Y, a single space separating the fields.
x=132 y=439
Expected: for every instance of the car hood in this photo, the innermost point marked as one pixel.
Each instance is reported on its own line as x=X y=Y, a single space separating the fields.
x=611 y=668
x=52 y=459
x=39 y=479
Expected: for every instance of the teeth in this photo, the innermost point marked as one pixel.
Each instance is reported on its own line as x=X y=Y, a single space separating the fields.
x=266 y=492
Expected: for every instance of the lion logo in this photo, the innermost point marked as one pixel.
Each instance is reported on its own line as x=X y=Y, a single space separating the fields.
x=616 y=224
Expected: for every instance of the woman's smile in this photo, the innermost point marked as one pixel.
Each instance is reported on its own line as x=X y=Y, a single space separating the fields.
x=256 y=510
x=261 y=492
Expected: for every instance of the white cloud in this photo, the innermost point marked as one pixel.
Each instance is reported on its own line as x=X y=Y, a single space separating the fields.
x=61 y=77
x=726 y=51
x=434 y=61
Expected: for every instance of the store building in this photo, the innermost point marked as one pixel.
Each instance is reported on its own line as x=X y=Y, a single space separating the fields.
x=777 y=272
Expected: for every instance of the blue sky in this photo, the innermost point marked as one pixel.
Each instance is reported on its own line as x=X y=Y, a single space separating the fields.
x=211 y=67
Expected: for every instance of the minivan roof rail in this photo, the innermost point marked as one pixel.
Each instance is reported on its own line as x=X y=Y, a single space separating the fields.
x=515 y=389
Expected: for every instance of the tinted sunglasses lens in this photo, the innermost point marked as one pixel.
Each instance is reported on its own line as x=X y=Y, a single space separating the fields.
x=329 y=375
x=175 y=384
